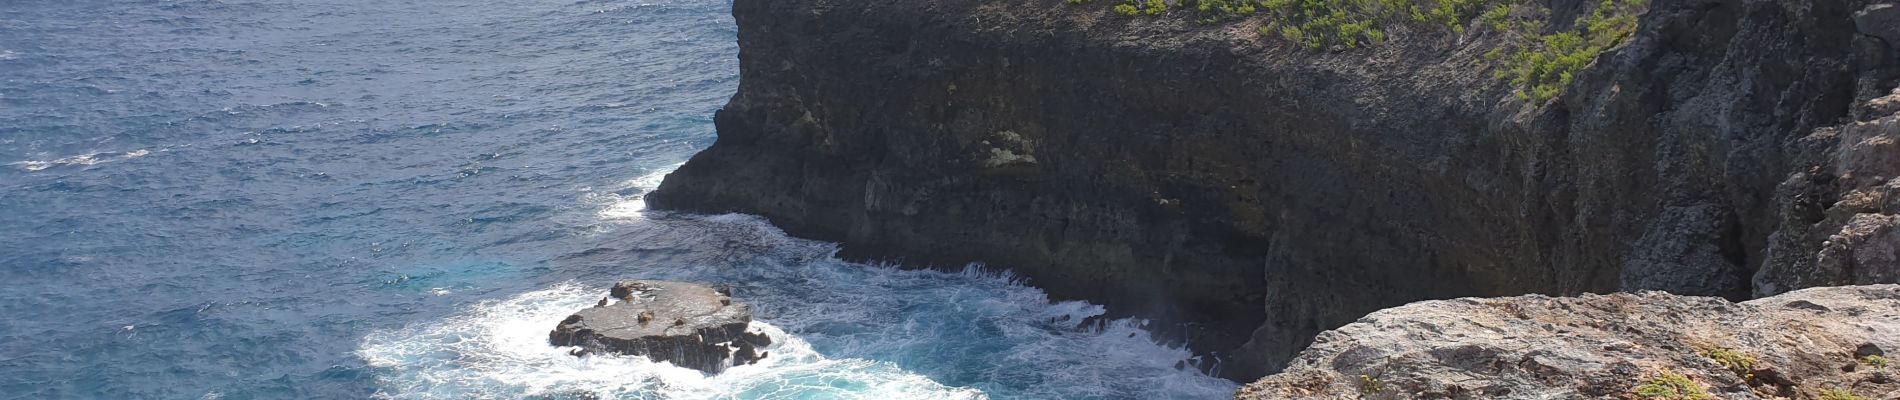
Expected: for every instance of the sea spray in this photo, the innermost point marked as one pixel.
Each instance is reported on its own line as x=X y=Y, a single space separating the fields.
x=499 y=349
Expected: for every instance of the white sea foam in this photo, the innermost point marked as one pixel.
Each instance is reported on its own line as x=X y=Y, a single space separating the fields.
x=841 y=330
x=78 y=160
x=631 y=206
x=499 y=349
x=862 y=331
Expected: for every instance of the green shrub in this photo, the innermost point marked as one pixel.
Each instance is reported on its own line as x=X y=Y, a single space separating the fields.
x=1326 y=23
x=1323 y=23
x=1498 y=17
x=1546 y=63
x=1143 y=7
x=1874 y=360
x=1538 y=61
x=1369 y=385
x=1672 y=386
x=1839 y=394
x=1741 y=364
x=1156 y=7
x=1212 y=11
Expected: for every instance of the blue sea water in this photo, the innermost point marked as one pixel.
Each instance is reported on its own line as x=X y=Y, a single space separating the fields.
x=397 y=199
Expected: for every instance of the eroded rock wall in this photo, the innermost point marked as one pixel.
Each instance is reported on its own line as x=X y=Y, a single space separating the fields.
x=1249 y=193
x=1841 y=215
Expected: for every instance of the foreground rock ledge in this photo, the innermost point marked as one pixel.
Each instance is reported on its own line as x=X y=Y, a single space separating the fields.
x=1794 y=346
x=690 y=325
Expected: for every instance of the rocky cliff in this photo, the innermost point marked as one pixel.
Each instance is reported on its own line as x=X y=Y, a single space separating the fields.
x=1251 y=193
x=1798 y=345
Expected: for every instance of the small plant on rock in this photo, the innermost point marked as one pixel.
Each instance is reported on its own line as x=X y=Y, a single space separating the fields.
x=1141 y=7
x=1127 y=9
x=1839 y=394
x=1215 y=11
x=1741 y=364
x=1875 y=361
x=1672 y=386
x=1369 y=385
x=1540 y=59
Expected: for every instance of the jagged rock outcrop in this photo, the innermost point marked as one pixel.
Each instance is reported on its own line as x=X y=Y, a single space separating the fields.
x=1250 y=193
x=1790 y=346
x=1841 y=217
x=690 y=325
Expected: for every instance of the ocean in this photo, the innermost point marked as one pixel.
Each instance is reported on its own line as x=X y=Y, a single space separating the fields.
x=398 y=199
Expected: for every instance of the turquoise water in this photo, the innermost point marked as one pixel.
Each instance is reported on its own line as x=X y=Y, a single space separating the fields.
x=397 y=199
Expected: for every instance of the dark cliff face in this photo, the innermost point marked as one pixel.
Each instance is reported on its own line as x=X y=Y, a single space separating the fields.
x=1259 y=193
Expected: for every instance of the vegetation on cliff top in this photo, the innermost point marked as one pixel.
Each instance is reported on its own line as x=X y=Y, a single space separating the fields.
x=1540 y=59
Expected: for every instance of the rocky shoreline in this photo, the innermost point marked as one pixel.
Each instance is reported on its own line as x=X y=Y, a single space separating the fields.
x=1250 y=193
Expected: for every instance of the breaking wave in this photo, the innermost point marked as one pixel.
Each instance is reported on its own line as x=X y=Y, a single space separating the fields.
x=499 y=349
x=840 y=329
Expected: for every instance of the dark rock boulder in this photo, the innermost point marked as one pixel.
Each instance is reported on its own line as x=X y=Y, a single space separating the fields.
x=690 y=325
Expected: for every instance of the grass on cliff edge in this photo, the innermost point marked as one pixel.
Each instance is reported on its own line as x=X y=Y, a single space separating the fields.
x=1542 y=59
